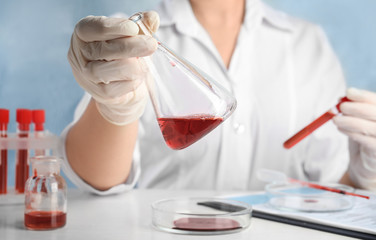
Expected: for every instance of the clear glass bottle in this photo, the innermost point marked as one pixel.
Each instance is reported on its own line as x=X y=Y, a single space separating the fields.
x=45 y=195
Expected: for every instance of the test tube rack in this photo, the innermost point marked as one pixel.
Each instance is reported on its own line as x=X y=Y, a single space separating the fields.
x=48 y=142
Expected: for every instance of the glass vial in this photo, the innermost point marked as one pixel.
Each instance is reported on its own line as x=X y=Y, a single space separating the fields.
x=23 y=117
x=45 y=195
x=4 y=120
x=38 y=116
x=187 y=102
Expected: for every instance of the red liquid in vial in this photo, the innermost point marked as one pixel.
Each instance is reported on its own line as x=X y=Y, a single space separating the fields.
x=3 y=171
x=179 y=133
x=22 y=170
x=41 y=220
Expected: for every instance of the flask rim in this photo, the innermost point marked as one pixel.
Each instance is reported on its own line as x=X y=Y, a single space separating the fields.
x=135 y=17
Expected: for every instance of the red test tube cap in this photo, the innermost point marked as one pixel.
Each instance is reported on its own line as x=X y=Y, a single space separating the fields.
x=38 y=119
x=4 y=119
x=23 y=117
x=4 y=115
x=342 y=100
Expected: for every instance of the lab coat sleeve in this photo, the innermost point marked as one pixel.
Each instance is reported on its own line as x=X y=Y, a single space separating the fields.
x=79 y=182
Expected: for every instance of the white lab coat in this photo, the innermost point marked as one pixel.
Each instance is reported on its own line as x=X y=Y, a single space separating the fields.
x=283 y=74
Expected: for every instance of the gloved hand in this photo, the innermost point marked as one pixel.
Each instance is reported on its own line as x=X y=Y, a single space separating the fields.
x=104 y=56
x=359 y=123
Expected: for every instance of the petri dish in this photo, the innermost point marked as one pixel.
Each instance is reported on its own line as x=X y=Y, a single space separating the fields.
x=295 y=197
x=201 y=216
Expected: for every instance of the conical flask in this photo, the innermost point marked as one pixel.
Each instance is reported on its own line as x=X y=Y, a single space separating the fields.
x=187 y=102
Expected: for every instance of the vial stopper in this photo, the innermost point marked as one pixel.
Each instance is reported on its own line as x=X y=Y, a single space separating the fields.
x=23 y=117
x=38 y=116
x=4 y=116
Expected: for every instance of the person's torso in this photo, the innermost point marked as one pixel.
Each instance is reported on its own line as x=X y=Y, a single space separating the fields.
x=274 y=96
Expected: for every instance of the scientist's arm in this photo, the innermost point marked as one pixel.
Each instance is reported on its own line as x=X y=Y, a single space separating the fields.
x=359 y=123
x=100 y=152
x=105 y=56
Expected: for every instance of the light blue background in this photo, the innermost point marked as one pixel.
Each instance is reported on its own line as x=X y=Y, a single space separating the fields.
x=35 y=36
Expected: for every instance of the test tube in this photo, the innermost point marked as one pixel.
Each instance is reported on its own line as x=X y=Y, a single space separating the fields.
x=315 y=124
x=38 y=120
x=23 y=117
x=4 y=120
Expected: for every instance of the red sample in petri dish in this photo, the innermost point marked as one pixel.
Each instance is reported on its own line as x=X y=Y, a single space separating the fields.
x=44 y=220
x=201 y=216
x=181 y=132
x=206 y=224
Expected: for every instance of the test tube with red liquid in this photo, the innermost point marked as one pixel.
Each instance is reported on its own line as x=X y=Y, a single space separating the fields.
x=38 y=116
x=23 y=117
x=4 y=120
x=315 y=124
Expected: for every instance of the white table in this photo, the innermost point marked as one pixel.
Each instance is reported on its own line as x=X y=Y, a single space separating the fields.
x=128 y=216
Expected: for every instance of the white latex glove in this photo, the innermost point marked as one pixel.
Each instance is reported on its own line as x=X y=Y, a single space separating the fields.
x=104 y=56
x=359 y=123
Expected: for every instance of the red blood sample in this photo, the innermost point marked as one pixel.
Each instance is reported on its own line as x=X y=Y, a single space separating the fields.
x=22 y=169
x=314 y=125
x=44 y=220
x=22 y=166
x=206 y=224
x=181 y=132
x=4 y=120
x=3 y=171
x=308 y=129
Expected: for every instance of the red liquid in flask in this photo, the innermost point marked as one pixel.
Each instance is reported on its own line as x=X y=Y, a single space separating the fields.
x=181 y=132
x=42 y=220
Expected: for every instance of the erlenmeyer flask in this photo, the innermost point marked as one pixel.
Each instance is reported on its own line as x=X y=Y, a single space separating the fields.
x=188 y=103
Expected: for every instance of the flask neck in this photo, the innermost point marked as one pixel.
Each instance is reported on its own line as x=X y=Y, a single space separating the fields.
x=45 y=166
x=45 y=169
x=137 y=18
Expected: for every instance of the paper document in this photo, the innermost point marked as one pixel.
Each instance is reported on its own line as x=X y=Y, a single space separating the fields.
x=360 y=218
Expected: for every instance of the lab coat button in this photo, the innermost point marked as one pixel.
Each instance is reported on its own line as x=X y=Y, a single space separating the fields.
x=239 y=128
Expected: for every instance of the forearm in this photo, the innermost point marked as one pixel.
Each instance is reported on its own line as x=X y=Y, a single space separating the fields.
x=100 y=152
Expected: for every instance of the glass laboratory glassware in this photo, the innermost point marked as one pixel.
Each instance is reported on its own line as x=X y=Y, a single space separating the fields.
x=23 y=117
x=188 y=103
x=38 y=118
x=4 y=120
x=45 y=195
